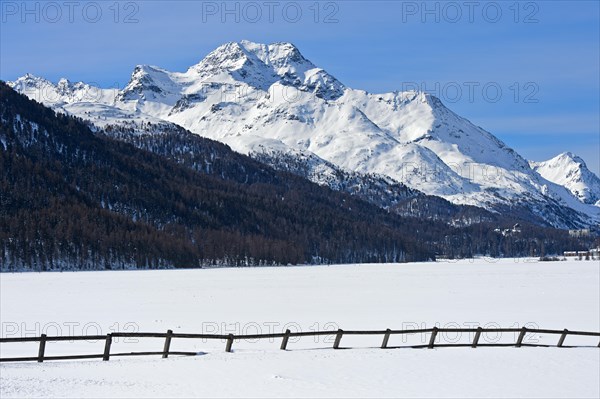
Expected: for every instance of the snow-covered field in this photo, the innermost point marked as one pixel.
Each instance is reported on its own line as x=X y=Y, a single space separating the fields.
x=506 y=293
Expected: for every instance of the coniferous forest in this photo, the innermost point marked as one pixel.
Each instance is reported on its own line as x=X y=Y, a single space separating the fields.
x=74 y=198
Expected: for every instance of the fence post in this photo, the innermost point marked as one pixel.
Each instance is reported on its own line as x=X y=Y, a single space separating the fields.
x=229 y=343
x=476 y=339
x=432 y=339
x=167 y=344
x=386 y=339
x=42 y=348
x=561 y=341
x=284 y=342
x=338 y=339
x=107 y=345
x=521 y=336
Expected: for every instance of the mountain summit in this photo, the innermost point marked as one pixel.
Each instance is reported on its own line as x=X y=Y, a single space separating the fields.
x=570 y=171
x=269 y=101
x=262 y=65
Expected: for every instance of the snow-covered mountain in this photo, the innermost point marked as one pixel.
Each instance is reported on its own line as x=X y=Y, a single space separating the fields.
x=268 y=100
x=571 y=172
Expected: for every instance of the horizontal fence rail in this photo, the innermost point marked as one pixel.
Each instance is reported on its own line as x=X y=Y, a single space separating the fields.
x=285 y=336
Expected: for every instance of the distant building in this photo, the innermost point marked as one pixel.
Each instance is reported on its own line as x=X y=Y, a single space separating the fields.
x=592 y=254
x=510 y=231
x=580 y=233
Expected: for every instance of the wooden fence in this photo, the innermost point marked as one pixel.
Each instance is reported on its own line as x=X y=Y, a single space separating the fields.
x=229 y=339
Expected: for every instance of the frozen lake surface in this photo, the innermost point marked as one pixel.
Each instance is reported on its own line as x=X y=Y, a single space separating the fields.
x=468 y=293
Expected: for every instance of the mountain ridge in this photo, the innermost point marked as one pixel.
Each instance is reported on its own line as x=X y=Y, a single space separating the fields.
x=72 y=198
x=253 y=96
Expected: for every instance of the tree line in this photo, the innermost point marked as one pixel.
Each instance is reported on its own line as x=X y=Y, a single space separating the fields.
x=71 y=198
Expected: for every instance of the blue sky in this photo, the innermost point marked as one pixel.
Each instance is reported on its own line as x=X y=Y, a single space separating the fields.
x=528 y=71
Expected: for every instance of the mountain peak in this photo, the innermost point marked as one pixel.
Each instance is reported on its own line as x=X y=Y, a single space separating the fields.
x=29 y=81
x=148 y=82
x=64 y=87
x=230 y=54
x=570 y=171
x=234 y=55
x=569 y=156
x=227 y=57
x=261 y=65
x=276 y=54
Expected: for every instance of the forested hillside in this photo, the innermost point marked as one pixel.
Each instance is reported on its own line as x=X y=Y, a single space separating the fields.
x=74 y=199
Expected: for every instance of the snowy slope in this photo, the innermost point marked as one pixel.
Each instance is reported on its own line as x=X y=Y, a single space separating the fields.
x=570 y=171
x=254 y=96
